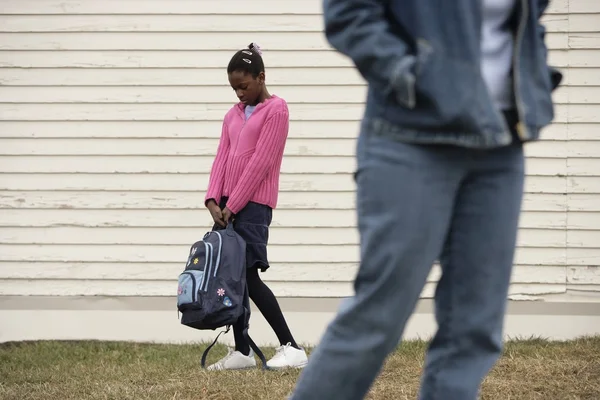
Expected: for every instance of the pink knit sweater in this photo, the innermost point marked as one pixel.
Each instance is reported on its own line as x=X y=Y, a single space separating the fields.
x=249 y=155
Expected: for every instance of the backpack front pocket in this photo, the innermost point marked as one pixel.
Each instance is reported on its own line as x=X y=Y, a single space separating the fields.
x=188 y=287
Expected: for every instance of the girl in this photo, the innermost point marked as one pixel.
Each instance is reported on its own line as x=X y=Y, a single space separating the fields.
x=243 y=189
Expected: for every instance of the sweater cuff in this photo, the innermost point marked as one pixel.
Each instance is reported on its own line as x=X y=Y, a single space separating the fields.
x=213 y=195
x=235 y=205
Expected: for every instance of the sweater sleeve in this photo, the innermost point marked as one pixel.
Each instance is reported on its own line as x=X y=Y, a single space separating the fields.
x=217 y=172
x=269 y=150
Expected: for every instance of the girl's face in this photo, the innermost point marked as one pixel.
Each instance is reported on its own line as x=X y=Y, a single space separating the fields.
x=247 y=88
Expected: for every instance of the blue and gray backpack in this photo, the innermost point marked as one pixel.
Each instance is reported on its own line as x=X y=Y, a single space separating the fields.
x=212 y=291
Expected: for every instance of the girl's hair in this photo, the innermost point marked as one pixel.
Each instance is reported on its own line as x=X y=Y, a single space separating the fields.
x=248 y=60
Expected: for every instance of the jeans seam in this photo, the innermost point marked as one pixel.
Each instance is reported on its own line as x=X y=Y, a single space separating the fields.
x=449 y=334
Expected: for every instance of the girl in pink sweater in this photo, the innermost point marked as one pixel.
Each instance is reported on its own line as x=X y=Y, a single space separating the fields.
x=243 y=190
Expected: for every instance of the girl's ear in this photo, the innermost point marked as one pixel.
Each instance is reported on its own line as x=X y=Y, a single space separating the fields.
x=261 y=78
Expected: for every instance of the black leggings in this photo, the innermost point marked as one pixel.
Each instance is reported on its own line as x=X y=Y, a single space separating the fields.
x=267 y=304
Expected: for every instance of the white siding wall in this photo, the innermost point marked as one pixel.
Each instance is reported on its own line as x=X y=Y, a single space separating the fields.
x=110 y=114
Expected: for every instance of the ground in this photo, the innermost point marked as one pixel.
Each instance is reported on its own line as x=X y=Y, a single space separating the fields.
x=529 y=369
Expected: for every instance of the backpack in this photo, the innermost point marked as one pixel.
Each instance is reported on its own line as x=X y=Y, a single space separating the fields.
x=212 y=290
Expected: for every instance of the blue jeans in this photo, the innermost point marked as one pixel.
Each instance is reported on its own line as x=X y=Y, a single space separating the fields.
x=418 y=204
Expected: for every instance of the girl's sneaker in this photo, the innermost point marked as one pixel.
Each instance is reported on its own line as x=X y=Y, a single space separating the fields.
x=288 y=357
x=234 y=360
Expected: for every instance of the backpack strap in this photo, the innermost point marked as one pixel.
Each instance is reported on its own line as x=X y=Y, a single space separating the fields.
x=205 y=354
x=253 y=345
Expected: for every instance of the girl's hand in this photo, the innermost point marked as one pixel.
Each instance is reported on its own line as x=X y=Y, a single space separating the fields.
x=216 y=214
x=227 y=214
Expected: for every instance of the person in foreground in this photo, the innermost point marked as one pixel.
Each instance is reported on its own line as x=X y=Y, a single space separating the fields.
x=454 y=89
x=243 y=190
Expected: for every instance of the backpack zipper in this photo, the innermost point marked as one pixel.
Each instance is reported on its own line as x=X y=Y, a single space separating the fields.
x=205 y=265
x=218 y=254
x=210 y=267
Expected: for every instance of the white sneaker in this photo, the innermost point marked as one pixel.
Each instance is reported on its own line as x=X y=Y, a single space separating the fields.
x=288 y=357
x=234 y=360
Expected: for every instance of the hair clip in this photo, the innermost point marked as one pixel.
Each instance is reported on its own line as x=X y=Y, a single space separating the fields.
x=256 y=48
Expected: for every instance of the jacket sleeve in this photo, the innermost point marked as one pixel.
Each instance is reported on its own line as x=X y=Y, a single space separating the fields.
x=217 y=172
x=359 y=29
x=555 y=75
x=269 y=150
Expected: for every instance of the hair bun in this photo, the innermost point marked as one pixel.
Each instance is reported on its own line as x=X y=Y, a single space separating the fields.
x=255 y=47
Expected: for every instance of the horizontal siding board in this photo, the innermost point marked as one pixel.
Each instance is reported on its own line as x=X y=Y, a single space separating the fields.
x=195 y=112
x=583 y=166
x=579 y=95
x=584 y=202
x=201 y=164
x=589 y=257
x=577 y=131
x=328 y=76
x=588 y=40
x=168 y=288
x=583 y=72
x=547 y=150
x=352 y=94
x=586 y=290
x=587 y=275
x=298 y=272
x=134 y=7
x=212 y=130
x=180 y=200
x=178 y=236
x=584 y=239
x=139 y=59
x=158 y=112
x=277 y=254
x=167 y=164
x=583 y=184
x=582 y=22
x=198 y=41
x=198 y=182
x=580 y=113
x=584 y=149
x=219 y=58
x=186 y=41
x=195 y=218
x=183 y=23
x=577 y=61
x=191 y=200
x=208 y=23
x=578 y=6
x=78 y=7
x=221 y=7
x=584 y=220
x=186 y=129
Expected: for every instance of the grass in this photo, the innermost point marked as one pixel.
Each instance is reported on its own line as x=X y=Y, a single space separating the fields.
x=528 y=369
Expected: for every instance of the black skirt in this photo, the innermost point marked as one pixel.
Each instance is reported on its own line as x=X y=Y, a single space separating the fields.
x=252 y=224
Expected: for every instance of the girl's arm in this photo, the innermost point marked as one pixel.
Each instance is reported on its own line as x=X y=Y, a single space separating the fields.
x=217 y=172
x=269 y=150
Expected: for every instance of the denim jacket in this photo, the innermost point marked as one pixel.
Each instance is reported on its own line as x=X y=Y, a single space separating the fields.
x=422 y=62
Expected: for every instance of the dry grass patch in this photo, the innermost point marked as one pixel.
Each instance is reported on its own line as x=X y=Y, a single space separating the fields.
x=529 y=369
